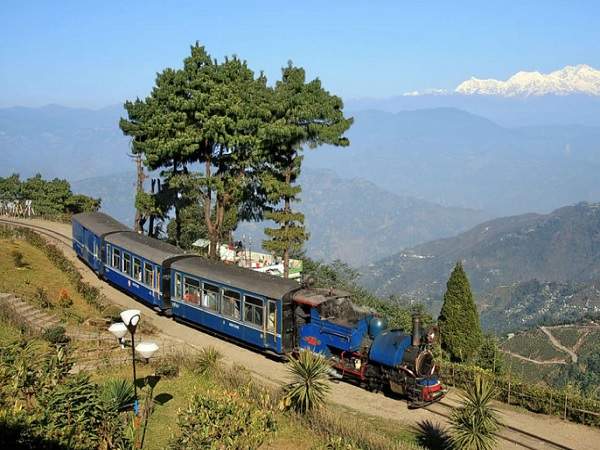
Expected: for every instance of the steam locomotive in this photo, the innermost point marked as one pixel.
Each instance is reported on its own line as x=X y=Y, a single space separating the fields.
x=268 y=313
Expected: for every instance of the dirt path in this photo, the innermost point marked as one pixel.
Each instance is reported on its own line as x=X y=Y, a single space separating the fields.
x=535 y=361
x=559 y=346
x=566 y=435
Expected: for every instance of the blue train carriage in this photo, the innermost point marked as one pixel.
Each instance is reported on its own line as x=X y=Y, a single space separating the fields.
x=361 y=349
x=138 y=264
x=89 y=231
x=250 y=307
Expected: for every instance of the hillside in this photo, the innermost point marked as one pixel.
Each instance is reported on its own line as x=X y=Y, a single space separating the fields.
x=452 y=157
x=560 y=247
x=352 y=220
x=557 y=355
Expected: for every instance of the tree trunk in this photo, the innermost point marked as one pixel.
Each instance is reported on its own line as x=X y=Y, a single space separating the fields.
x=287 y=208
x=139 y=220
x=151 y=226
x=210 y=226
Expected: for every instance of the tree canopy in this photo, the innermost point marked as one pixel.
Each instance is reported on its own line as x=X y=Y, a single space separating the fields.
x=49 y=197
x=227 y=144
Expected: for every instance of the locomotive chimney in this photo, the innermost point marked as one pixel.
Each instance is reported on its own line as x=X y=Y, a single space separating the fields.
x=416 y=330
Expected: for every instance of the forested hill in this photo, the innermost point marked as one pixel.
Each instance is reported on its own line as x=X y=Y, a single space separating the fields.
x=349 y=219
x=563 y=247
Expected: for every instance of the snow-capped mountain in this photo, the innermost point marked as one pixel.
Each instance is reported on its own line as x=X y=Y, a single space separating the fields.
x=580 y=79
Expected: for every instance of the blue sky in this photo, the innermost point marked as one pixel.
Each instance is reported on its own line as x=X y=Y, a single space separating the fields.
x=99 y=53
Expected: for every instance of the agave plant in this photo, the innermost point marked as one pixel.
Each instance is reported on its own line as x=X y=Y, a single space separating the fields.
x=310 y=383
x=474 y=424
x=208 y=361
x=117 y=394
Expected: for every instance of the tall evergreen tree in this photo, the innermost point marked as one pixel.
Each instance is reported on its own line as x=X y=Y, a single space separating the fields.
x=460 y=330
x=304 y=114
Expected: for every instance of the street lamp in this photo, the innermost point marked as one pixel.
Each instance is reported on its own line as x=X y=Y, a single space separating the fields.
x=119 y=330
x=131 y=318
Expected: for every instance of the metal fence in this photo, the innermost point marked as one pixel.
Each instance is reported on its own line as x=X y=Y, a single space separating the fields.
x=565 y=403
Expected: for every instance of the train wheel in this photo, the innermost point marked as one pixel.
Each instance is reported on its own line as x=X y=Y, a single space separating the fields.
x=374 y=377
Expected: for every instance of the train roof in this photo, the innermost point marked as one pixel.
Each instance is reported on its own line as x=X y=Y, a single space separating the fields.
x=144 y=246
x=99 y=223
x=249 y=280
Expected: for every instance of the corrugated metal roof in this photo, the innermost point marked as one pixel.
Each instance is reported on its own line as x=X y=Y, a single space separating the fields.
x=144 y=246
x=246 y=279
x=99 y=223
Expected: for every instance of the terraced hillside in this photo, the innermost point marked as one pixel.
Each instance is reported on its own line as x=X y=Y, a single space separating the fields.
x=557 y=355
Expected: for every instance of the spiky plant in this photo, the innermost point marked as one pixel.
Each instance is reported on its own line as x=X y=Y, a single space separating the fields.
x=473 y=425
x=208 y=361
x=117 y=394
x=310 y=383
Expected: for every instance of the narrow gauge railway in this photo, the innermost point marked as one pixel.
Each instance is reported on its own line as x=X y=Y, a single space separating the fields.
x=271 y=314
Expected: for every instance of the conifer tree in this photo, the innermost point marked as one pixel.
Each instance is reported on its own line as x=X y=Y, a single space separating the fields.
x=303 y=114
x=460 y=330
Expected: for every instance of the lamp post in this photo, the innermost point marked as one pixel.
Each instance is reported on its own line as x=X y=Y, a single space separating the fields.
x=131 y=318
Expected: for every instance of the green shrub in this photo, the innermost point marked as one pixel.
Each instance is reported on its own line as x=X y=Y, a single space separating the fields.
x=41 y=297
x=117 y=394
x=208 y=361
x=56 y=335
x=310 y=382
x=473 y=425
x=166 y=369
x=222 y=420
x=18 y=259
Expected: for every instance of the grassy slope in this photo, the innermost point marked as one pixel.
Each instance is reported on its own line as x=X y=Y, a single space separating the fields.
x=39 y=273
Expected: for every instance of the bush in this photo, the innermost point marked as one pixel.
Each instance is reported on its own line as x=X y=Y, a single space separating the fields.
x=166 y=369
x=117 y=395
x=220 y=420
x=64 y=299
x=56 y=335
x=473 y=424
x=208 y=361
x=18 y=260
x=310 y=383
x=41 y=297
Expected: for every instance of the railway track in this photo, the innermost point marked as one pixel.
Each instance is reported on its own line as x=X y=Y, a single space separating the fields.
x=64 y=239
x=515 y=437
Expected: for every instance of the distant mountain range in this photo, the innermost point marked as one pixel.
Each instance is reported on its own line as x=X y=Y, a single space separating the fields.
x=351 y=220
x=561 y=247
x=445 y=156
x=581 y=79
x=451 y=157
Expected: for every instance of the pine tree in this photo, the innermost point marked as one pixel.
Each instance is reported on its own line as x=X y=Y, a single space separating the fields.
x=460 y=329
x=303 y=114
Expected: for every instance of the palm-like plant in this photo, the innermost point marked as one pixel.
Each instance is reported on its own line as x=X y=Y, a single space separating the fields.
x=310 y=382
x=208 y=361
x=117 y=394
x=475 y=422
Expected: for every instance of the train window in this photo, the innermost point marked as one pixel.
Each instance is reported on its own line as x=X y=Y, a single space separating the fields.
x=137 y=269
x=253 y=310
x=127 y=263
x=231 y=304
x=178 y=286
x=148 y=274
x=191 y=290
x=210 y=297
x=116 y=258
x=272 y=317
x=95 y=248
x=107 y=254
